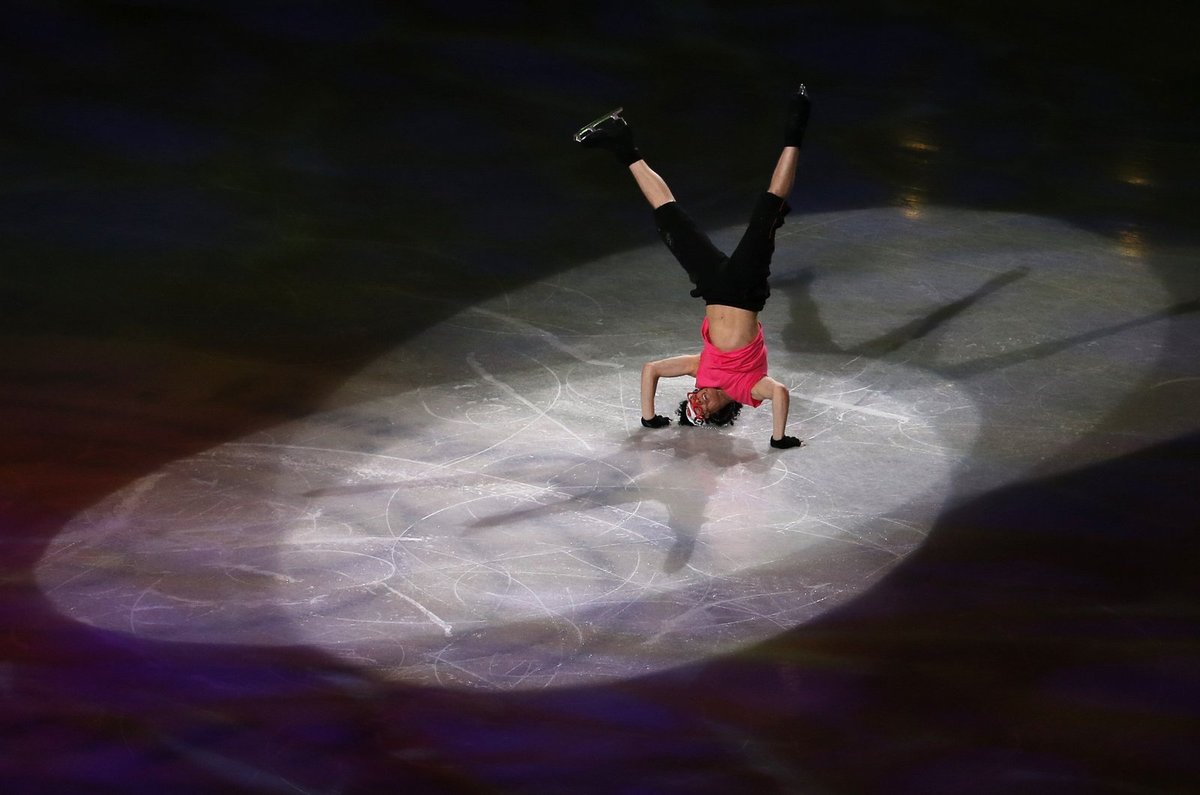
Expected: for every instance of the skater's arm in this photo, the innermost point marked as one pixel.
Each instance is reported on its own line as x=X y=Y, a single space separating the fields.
x=663 y=368
x=770 y=389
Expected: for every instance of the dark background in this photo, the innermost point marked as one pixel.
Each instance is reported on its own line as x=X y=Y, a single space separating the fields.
x=213 y=213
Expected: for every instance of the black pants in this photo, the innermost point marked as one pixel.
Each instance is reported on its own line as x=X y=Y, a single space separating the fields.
x=739 y=280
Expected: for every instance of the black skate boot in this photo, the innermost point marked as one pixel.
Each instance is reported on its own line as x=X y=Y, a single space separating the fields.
x=797 y=118
x=610 y=132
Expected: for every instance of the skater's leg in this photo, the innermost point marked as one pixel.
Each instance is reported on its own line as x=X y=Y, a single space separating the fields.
x=785 y=172
x=793 y=135
x=750 y=264
x=653 y=187
x=691 y=247
x=613 y=133
x=694 y=250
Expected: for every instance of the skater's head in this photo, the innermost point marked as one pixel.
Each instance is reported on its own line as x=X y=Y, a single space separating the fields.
x=708 y=406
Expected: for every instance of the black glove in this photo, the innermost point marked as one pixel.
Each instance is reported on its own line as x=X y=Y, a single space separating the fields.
x=659 y=421
x=785 y=442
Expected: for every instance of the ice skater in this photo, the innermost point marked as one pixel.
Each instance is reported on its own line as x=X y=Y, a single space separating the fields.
x=731 y=368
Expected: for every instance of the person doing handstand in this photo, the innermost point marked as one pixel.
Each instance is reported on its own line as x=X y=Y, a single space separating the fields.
x=731 y=368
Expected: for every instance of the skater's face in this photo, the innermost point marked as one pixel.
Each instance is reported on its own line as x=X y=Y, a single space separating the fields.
x=708 y=399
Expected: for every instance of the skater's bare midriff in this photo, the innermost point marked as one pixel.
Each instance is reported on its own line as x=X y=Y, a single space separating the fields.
x=729 y=327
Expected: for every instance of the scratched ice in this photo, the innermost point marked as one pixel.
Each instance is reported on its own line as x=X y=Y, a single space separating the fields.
x=481 y=507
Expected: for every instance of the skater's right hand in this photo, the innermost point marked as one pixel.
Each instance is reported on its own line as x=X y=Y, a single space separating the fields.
x=658 y=421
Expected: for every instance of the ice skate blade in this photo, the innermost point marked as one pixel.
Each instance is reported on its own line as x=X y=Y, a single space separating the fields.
x=587 y=128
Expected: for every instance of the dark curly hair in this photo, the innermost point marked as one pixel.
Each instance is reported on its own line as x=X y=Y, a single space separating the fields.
x=726 y=415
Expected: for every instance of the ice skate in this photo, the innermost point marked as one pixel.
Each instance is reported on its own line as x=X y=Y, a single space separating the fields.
x=797 y=117
x=610 y=125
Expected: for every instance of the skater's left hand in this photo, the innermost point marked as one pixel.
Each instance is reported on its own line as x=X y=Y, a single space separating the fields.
x=785 y=442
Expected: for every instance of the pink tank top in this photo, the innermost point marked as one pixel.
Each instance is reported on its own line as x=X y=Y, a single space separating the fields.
x=734 y=371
